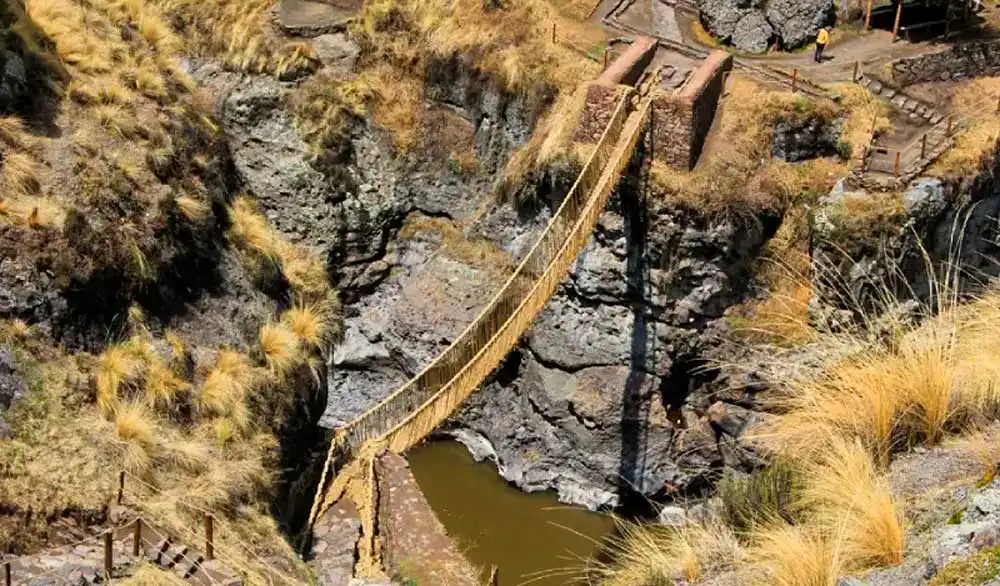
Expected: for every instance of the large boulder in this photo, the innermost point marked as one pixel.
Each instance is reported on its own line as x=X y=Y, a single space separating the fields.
x=753 y=33
x=798 y=21
x=720 y=17
x=750 y=25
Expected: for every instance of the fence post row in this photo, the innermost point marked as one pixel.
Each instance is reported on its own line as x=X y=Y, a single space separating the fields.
x=857 y=66
x=895 y=165
x=6 y=573
x=795 y=75
x=121 y=486
x=923 y=146
x=108 y=559
x=209 y=538
x=137 y=537
x=895 y=26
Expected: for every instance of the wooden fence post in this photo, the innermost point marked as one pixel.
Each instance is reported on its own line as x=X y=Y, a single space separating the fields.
x=895 y=165
x=857 y=66
x=494 y=577
x=209 y=538
x=121 y=486
x=795 y=75
x=868 y=17
x=6 y=574
x=923 y=146
x=895 y=26
x=553 y=33
x=606 y=51
x=949 y=126
x=108 y=558
x=998 y=105
x=137 y=537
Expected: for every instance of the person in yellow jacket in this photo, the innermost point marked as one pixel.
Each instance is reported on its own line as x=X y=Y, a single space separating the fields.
x=822 y=38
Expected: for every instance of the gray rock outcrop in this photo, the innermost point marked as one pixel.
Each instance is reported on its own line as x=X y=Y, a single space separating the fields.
x=799 y=140
x=797 y=21
x=751 y=26
x=950 y=222
x=12 y=387
x=600 y=389
x=753 y=33
x=13 y=80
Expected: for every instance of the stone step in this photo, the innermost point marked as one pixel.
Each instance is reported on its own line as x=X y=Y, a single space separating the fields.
x=177 y=555
x=188 y=567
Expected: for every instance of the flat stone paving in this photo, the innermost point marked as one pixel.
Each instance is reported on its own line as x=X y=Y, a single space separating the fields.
x=312 y=18
x=335 y=539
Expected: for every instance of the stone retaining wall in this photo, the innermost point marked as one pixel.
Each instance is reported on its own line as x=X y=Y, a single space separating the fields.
x=597 y=111
x=415 y=545
x=603 y=94
x=960 y=61
x=626 y=69
x=680 y=121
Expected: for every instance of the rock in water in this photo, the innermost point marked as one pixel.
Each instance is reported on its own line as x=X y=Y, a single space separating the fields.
x=798 y=21
x=753 y=33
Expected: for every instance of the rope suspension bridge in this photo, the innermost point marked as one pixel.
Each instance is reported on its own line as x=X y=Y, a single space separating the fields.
x=417 y=408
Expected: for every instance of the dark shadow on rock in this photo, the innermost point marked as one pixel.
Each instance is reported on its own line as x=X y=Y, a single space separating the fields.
x=632 y=192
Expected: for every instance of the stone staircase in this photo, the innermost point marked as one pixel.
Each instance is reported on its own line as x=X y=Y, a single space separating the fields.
x=83 y=563
x=933 y=134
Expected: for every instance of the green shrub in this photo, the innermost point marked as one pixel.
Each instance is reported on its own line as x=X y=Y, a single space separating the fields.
x=759 y=498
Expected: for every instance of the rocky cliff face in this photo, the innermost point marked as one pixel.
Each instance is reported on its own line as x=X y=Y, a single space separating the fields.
x=606 y=391
x=938 y=234
x=606 y=395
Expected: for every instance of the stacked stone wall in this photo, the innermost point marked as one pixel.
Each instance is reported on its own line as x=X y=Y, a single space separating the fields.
x=960 y=61
x=681 y=121
x=597 y=111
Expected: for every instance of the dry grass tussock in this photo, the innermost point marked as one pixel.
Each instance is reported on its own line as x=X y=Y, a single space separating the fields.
x=513 y=41
x=131 y=130
x=841 y=426
x=473 y=251
x=918 y=387
x=736 y=174
x=974 y=105
x=850 y=499
x=264 y=248
x=552 y=141
x=403 y=40
x=866 y=115
x=67 y=451
x=149 y=575
x=653 y=554
x=785 y=271
x=794 y=556
x=240 y=34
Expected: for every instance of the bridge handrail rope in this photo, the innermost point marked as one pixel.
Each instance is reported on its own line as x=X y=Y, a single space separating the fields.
x=423 y=389
x=436 y=409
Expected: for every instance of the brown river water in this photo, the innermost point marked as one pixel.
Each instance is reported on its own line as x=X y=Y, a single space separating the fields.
x=531 y=538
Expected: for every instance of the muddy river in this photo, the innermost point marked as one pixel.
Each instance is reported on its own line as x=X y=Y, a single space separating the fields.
x=531 y=538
